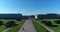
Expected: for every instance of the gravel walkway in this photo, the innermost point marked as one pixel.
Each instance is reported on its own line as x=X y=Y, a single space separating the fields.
x=27 y=27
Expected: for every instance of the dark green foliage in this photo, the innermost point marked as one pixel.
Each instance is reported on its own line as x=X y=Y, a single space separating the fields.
x=37 y=19
x=54 y=25
x=57 y=21
x=1 y=22
x=43 y=21
x=18 y=19
x=11 y=24
x=48 y=23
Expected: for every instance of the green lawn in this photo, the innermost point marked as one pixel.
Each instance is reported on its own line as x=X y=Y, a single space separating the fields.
x=15 y=29
x=38 y=27
x=56 y=29
x=2 y=28
x=4 y=22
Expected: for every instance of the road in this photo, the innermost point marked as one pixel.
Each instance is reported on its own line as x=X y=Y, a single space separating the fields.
x=27 y=27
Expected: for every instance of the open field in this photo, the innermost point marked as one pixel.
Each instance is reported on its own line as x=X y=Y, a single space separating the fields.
x=38 y=27
x=56 y=29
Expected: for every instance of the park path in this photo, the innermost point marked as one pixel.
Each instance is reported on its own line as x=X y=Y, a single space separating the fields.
x=27 y=27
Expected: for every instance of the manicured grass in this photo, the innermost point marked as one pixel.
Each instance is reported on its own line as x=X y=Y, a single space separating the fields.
x=56 y=29
x=4 y=22
x=15 y=29
x=51 y=20
x=38 y=27
x=2 y=28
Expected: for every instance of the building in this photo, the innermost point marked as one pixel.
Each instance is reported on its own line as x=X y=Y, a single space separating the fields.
x=41 y=16
x=25 y=17
x=47 y=16
x=28 y=17
x=10 y=16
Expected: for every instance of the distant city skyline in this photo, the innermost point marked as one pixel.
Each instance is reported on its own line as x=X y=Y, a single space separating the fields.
x=30 y=7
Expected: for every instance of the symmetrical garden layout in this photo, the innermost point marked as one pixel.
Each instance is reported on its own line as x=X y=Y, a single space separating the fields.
x=10 y=25
x=16 y=25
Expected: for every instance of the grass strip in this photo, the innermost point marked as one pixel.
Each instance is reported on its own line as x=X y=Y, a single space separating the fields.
x=38 y=27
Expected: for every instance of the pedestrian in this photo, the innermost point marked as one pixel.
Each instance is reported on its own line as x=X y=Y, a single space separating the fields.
x=22 y=28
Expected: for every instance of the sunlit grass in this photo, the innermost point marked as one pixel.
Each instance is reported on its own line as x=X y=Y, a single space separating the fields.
x=38 y=27
x=15 y=29
x=56 y=29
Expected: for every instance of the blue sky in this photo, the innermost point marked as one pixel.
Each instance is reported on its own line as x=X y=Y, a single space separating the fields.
x=30 y=7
